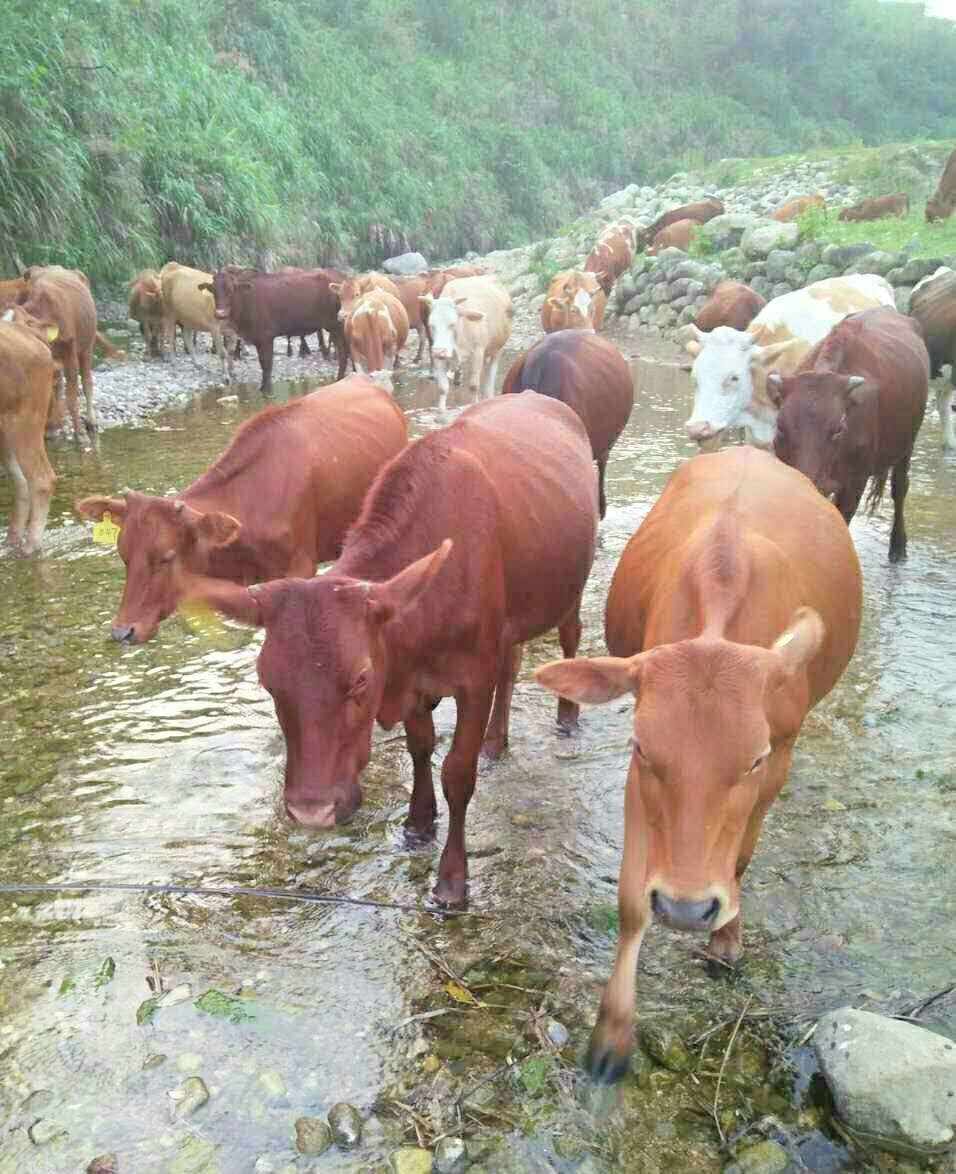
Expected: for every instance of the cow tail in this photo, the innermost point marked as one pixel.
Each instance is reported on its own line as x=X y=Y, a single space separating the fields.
x=875 y=493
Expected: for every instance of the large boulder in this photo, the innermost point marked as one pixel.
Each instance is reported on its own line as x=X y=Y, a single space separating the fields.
x=839 y=256
x=406 y=264
x=821 y=273
x=889 y=1079
x=762 y=238
x=778 y=262
x=725 y=231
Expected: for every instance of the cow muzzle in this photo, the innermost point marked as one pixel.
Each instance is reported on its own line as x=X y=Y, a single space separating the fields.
x=686 y=915
x=326 y=813
x=701 y=431
x=124 y=633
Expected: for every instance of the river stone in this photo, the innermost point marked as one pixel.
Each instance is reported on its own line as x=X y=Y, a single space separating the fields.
x=760 y=285
x=451 y=1156
x=670 y=256
x=902 y=294
x=405 y=264
x=191 y=1095
x=795 y=277
x=271 y=1083
x=915 y=270
x=625 y=289
x=104 y=1164
x=766 y=1157
x=763 y=238
x=345 y=1122
x=725 y=231
x=660 y=293
x=820 y=273
x=665 y=316
x=779 y=289
x=410 y=1160
x=839 y=256
x=888 y=1078
x=195 y=1155
x=620 y=199
x=556 y=1032
x=693 y=270
x=665 y=1046
x=646 y=314
x=632 y=306
x=778 y=262
x=312 y=1135
x=880 y=262
x=810 y=251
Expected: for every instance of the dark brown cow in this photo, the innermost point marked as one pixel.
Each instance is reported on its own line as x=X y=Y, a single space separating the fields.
x=852 y=409
x=263 y=306
x=26 y=386
x=878 y=208
x=941 y=203
x=733 y=610
x=677 y=235
x=468 y=545
x=933 y=305
x=700 y=212
x=795 y=208
x=277 y=502
x=731 y=304
x=588 y=374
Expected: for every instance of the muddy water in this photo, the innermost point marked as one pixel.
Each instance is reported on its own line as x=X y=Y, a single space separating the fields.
x=163 y=764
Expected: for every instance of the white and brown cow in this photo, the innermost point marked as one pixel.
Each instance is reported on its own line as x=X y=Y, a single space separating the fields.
x=376 y=328
x=470 y=323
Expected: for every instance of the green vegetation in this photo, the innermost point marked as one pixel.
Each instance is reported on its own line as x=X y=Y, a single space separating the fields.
x=311 y=130
x=890 y=235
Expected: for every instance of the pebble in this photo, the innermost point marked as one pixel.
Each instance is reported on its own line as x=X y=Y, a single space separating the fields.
x=104 y=1164
x=345 y=1122
x=312 y=1136
x=556 y=1032
x=191 y=1095
x=451 y=1156
x=411 y=1160
x=153 y=1061
x=666 y=1047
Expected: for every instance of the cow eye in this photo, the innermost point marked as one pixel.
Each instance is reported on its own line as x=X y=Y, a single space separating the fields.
x=759 y=762
x=168 y=556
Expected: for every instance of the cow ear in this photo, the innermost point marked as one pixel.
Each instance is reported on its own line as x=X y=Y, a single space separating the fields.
x=217 y=529
x=592 y=680
x=472 y=315
x=94 y=508
x=402 y=590
x=795 y=647
x=776 y=388
x=244 y=604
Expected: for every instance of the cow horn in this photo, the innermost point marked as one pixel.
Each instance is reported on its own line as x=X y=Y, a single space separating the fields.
x=179 y=506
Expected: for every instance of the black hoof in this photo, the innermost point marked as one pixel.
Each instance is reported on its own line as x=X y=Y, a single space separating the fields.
x=417 y=837
x=717 y=968
x=605 y=1066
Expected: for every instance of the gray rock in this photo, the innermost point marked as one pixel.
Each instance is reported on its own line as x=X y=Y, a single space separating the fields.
x=810 y=251
x=820 y=273
x=664 y=1045
x=312 y=1135
x=678 y=288
x=620 y=199
x=839 y=256
x=646 y=314
x=692 y=270
x=191 y=1095
x=632 y=306
x=451 y=1155
x=679 y=304
x=104 y=1164
x=725 y=231
x=665 y=317
x=624 y=290
x=659 y=294
x=556 y=1032
x=407 y=263
x=696 y=288
x=670 y=257
x=915 y=270
x=779 y=289
x=410 y=1160
x=903 y=293
x=880 y=262
x=766 y=1157
x=889 y=1078
x=795 y=277
x=688 y=314
x=762 y=238
x=346 y=1124
x=778 y=262
x=760 y=285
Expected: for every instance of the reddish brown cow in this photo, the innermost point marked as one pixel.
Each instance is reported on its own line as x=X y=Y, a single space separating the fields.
x=852 y=409
x=589 y=375
x=574 y=301
x=26 y=386
x=677 y=235
x=731 y=304
x=941 y=203
x=877 y=208
x=276 y=503
x=700 y=212
x=263 y=306
x=468 y=545
x=733 y=610
x=933 y=306
x=795 y=208
x=411 y=290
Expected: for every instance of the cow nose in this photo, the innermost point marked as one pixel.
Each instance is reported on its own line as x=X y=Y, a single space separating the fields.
x=122 y=632
x=694 y=915
x=699 y=429
x=326 y=814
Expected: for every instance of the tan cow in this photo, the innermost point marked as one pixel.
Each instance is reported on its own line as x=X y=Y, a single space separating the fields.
x=194 y=309
x=10 y=290
x=575 y=301
x=675 y=236
x=350 y=290
x=146 y=308
x=795 y=208
x=376 y=328
x=470 y=323
x=26 y=387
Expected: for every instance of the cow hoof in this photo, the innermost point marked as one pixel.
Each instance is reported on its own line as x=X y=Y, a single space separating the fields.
x=719 y=968
x=450 y=894
x=492 y=749
x=603 y=1064
x=417 y=835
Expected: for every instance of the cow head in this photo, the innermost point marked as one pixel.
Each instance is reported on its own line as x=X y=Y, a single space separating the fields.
x=446 y=319
x=160 y=539
x=148 y=287
x=713 y=726
x=45 y=331
x=224 y=286
x=325 y=661
x=729 y=369
x=372 y=338
x=820 y=426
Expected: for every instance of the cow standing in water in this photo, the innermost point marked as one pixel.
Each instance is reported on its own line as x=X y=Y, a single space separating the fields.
x=475 y=539
x=733 y=610
x=277 y=502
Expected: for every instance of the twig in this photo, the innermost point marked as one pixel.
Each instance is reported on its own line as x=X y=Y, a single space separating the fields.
x=917 y=1009
x=723 y=1065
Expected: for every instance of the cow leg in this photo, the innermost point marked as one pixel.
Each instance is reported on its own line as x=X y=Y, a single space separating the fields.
x=421 y=343
x=56 y=413
x=288 y=346
x=237 y=352
x=612 y=1038
x=569 y=633
x=459 y=771
x=226 y=356
x=20 y=512
x=189 y=345
x=496 y=736
x=265 y=353
x=303 y=347
x=420 y=740
x=28 y=453
x=71 y=374
x=431 y=357
x=602 y=500
x=86 y=374
x=488 y=379
x=944 y=405
x=323 y=345
x=341 y=349
x=901 y=484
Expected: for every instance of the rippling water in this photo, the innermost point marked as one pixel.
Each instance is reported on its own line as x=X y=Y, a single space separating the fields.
x=163 y=763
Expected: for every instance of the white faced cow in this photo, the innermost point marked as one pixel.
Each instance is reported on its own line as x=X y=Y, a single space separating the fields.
x=731 y=366
x=470 y=323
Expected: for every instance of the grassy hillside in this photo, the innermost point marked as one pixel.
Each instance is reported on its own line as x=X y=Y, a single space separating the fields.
x=313 y=131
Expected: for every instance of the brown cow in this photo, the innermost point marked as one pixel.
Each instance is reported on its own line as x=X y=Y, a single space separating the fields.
x=187 y=302
x=933 y=305
x=795 y=208
x=575 y=301
x=941 y=203
x=410 y=293
x=264 y=306
x=146 y=308
x=677 y=235
x=10 y=290
x=611 y=256
x=468 y=545
x=700 y=212
x=376 y=328
x=733 y=610
x=731 y=304
x=852 y=409
x=277 y=502
x=878 y=208
x=26 y=387
x=589 y=375
x=349 y=291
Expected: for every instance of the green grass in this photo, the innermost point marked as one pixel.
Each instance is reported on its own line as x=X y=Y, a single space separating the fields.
x=890 y=235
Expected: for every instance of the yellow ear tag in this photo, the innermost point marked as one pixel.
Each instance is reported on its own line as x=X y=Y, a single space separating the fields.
x=200 y=618
x=52 y=333
x=105 y=531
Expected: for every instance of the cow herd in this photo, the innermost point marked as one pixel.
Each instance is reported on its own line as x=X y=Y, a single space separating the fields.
x=733 y=610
